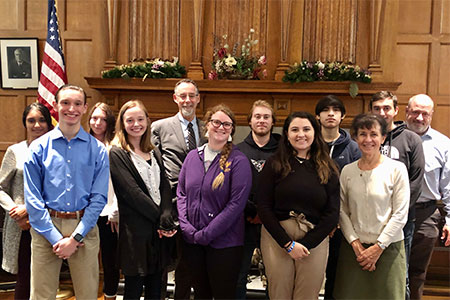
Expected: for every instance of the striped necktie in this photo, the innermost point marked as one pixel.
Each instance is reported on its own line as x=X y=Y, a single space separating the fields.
x=191 y=137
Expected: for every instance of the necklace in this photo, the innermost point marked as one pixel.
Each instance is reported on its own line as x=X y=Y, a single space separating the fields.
x=300 y=160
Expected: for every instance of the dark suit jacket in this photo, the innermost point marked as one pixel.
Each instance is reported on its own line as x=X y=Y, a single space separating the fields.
x=16 y=71
x=167 y=135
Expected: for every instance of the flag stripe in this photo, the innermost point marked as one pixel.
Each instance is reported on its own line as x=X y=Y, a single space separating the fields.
x=53 y=70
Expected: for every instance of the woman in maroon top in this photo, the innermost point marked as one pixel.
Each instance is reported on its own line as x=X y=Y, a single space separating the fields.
x=298 y=203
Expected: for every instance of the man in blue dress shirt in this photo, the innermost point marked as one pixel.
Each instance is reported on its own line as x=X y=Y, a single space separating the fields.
x=66 y=184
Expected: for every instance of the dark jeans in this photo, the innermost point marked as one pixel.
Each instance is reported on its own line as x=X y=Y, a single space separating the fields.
x=134 y=286
x=425 y=236
x=408 y=232
x=214 y=271
x=109 y=252
x=252 y=234
x=333 y=256
x=22 y=290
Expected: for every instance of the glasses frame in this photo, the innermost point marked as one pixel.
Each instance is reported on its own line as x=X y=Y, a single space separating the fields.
x=225 y=125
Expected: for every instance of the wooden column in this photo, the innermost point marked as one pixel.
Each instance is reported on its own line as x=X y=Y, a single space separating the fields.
x=195 y=70
x=285 y=22
x=113 y=12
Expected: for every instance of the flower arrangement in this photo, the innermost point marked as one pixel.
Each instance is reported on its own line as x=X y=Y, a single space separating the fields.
x=155 y=68
x=326 y=71
x=230 y=64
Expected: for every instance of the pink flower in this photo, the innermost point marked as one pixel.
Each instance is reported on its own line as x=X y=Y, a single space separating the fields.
x=262 y=60
x=222 y=52
x=212 y=75
x=264 y=72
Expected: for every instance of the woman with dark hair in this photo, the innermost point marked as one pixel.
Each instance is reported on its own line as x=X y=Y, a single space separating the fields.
x=16 y=235
x=374 y=209
x=298 y=203
x=101 y=125
x=213 y=188
x=145 y=203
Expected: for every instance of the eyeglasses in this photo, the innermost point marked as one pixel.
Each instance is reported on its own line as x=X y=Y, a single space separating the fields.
x=185 y=96
x=416 y=113
x=216 y=124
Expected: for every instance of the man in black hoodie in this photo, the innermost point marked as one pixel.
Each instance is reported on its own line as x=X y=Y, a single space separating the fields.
x=330 y=111
x=257 y=146
x=403 y=145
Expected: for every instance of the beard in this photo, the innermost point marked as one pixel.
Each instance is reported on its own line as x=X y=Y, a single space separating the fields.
x=260 y=132
x=417 y=127
x=187 y=112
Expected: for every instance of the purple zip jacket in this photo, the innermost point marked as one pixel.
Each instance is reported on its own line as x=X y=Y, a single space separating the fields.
x=213 y=217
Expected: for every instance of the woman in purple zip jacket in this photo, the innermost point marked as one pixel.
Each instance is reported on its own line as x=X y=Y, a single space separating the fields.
x=213 y=188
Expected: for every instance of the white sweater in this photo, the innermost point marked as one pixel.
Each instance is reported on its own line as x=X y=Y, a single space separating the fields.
x=374 y=203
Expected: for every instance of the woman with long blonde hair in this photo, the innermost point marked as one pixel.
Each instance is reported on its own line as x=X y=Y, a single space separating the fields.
x=213 y=188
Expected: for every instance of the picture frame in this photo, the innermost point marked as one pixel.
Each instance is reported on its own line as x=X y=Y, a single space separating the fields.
x=19 y=63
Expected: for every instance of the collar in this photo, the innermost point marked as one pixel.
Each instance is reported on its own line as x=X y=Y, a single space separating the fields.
x=56 y=133
x=186 y=122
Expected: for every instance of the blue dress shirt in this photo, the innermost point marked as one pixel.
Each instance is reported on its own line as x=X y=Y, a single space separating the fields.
x=65 y=176
x=436 y=184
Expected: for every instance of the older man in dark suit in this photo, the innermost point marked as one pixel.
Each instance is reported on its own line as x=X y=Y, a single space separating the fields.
x=176 y=136
x=18 y=67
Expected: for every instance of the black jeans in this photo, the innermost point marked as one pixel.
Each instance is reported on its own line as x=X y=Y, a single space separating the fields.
x=134 y=285
x=109 y=251
x=214 y=271
x=22 y=290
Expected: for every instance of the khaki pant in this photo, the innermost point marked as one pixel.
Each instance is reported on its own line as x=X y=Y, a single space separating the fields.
x=46 y=266
x=288 y=278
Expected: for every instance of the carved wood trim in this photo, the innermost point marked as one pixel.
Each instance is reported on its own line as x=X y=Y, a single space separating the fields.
x=376 y=21
x=244 y=86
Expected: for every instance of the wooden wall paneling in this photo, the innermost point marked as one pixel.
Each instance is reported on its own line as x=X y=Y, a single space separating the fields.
x=330 y=30
x=411 y=68
x=195 y=70
x=77 y=14
x=154 y=29
x=36 y=15
x=445 y=18
x=415 y=16
x=11 y=14
x=443 y=82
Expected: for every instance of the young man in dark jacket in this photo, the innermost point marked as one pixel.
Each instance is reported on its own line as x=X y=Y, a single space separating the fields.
x=257 y=146
x=330 y=111
x=403 y=145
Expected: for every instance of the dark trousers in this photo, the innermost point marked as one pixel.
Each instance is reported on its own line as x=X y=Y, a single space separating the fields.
x=252 y=237
x=333 y=256
x=22 y=290
x=408 y=232
x=183 y=278
x=134 y=285
x=214 y=271
x=425 y=236
x=109 y=252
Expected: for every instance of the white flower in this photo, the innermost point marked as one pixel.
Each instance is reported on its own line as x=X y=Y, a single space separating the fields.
x=252 y=30
x=230 y=61
x=321 y=65
x=226 y=46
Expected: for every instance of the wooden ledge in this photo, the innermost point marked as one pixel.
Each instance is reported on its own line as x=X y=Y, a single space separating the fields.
x=240 y=86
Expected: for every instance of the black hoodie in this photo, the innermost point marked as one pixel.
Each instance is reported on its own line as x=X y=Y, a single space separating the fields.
x=257 y=157
x=405 y=145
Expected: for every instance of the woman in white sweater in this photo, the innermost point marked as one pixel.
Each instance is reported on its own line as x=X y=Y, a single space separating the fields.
x=374 y=209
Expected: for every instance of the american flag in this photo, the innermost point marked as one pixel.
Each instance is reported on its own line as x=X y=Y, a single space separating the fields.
x=53 y=70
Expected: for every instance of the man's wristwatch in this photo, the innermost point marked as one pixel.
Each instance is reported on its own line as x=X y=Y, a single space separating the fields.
x=78 y=237
x=382 y=246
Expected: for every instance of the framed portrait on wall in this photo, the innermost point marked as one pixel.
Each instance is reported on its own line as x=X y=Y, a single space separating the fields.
x=19 y=63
